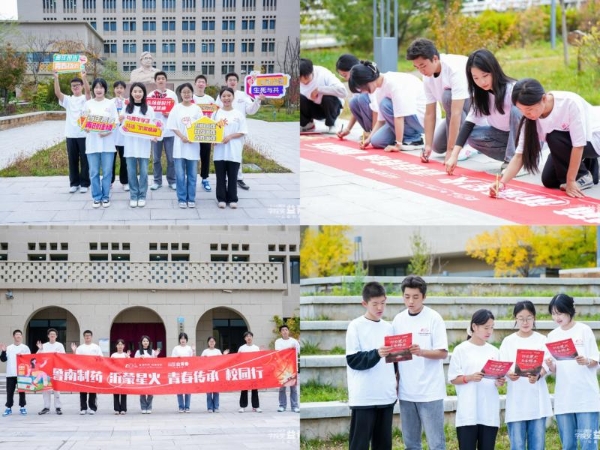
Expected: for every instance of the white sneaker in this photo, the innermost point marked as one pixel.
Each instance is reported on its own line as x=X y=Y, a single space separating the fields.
x=466 y=153
x=126 y=187
x=92 y=412
x=73 y=189
x=308 y=127
x=241 y=410
x=585 y=182
x=155 y=186
x=83 y=190
x=141 y=202
x=221 y=205
x=173 y=186
x=83 y=412
x=144 y=411
x=233 y=205
x=281 y=409
x=183 y=205
x=258 y=410
x=133 y=203
x=191 y=204
x=296 y=410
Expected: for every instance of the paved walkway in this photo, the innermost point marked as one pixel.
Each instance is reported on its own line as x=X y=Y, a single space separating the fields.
x=272 y=198
x=164 y=429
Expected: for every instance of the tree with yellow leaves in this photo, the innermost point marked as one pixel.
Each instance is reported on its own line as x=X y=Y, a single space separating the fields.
x=518 y=250
x=326 y=252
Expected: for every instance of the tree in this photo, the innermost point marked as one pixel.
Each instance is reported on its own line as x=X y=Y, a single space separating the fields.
x=37 y=46
x=325 y=252
x=291 y=66
x=422 y=259
x=518 y=250
x=12 y=71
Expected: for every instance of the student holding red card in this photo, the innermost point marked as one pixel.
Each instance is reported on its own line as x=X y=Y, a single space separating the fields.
x=576 y=394
x=527 y=399
x=478 y=410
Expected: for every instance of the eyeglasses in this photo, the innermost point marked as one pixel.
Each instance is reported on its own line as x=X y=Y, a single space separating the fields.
x=526 y=319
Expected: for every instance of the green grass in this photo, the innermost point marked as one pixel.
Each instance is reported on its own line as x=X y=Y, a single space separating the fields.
x=313 y=391
x=53 y=161
x=310 y=348
x=269 y=113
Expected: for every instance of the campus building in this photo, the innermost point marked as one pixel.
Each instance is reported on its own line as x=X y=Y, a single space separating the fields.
x=186 y=37
x=127 y=281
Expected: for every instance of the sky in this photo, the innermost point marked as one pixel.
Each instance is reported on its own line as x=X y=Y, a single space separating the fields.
x=8 y=9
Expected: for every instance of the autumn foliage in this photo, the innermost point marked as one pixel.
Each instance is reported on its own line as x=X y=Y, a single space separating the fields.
x=325 y=252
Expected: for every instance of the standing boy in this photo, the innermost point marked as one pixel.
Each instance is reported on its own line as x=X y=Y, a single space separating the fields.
x=79 y=172
x=9 y=356
x=168 y=139
x=52 y=346
x=201 y=98
x=90 y=349
x=445 y=81
x=285 y=341
x=372 y=389
x=246 y=348
x=422 y=383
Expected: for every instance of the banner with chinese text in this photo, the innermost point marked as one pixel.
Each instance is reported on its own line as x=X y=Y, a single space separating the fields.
x=68 y=63
x=156 y=376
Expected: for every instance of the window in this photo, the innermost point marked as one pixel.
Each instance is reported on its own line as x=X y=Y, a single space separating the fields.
x=246 y=67
x=168 y=5
x=228 y=24
x=208 y=4
x=269 y=5
x=70 y=6
x=149 y=25
x=188 y=25
x=149 y=47
x=295 y=269
x=129 y=25
x=110 y=48
x=248 y=24
x=227 y=67
x=267 y=66
x=89 y=5
x=268 y=46
x=168 y=67
x=149 y=4
x=208 y=46
x=109 y=5
x=208 y=24
x=208 y=69
x=129 y=5
x=228 y=47
x=188 y=47
x=248 y=47
x=268 y=23
x=228 y=5
x=168 y=25
x=129 y=47
x=109 y=26
x=93 y=24
x=128 y=66
x=248 y=4
x=49 y=6
x=188 y=67
x=189 y=5
x=168 y=47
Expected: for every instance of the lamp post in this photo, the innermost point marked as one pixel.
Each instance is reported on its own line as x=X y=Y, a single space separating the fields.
x=385 y=34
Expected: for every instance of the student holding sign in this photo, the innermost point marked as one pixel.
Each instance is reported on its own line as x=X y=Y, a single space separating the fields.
x=99 y=120
x=228 y=153
x=478 y=409
x=119 y=88
x=201 y=98
x=527 y=399
x=185 y=153
x=576 y=394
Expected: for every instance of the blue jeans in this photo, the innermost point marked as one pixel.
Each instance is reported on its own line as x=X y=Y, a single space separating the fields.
x=186 y=173
x=359 y=106
x=293 y=397
x=181 y=403
x=440 y=135
x=575 y=427
x=97 y=161
x=137 y=188
x=146 y=400
x=167 y=144
x=212 y=401
x=527 y=434
x=386 y=135
x=419 y=416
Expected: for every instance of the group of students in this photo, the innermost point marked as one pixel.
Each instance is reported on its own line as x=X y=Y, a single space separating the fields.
x=88 y=400
x=502 y=118
x=419 y=384
x=92 y=159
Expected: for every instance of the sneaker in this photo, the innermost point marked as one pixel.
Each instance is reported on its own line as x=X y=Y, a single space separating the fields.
x=187 y=410
x=308 y=127
x=191 y=204
x=180 y=410
x=216 y=411
x=296 y=410
x=59 y=411
x=116 y=413
x=241 y=410
x=126 y=187
x=155 y=186
x=141 y=202
x=83 y=412
x=7 y=412
x=44 y=411
x=466 y=153
x=123 y=413
x=258 y=410
x=413 y=145
x=233 y=205
x=73 y=189
x=585 y=182
x=206 y=185
x=148 y=411
x=83 y=190
x=105 y=203
x=96 y=204
x=243 y=185
x=281 y=409
x=92 y=412
x=173 y=186
x=133 y=203
x=210 y=410
x=182 y=205
x=144 y=411
x=23 y=411
x=221 y=205
x=331 y=129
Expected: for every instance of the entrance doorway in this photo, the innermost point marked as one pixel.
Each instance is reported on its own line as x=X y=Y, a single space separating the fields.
x=131 y=324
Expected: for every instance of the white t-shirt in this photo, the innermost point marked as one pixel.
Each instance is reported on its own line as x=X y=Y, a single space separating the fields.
x=478 y=403
x=495 y=119
x=236 y=123
x=180 y=351
x=525 y=401
x=242 y=102
x=375 y=386
x=282 y=344
x=137 y=147
x=576 y=388
x=11 y=357
x=93 y=142
x=211 y=352
x=327 y=84
x=47 y=347
x=120 y=105
x=452 y=76
x=89 y=350
x=406 y=93
x=573 y=114
x=167 y=132
x=119 y=355
x=204 y=100
x=145 y=355
x=180 y=117
x=422 y=379
x=74 y=106
x=249 y=348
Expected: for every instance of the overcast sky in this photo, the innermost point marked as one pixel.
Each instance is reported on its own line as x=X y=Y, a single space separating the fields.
x=8 y=9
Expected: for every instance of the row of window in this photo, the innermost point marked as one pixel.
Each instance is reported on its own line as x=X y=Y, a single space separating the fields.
x=189 y=48
x=186 y=25
x=206 y=69
x=152 y=246
x=70 y=6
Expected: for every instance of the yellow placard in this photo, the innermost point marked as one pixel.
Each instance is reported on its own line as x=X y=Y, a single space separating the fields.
x=206 y=130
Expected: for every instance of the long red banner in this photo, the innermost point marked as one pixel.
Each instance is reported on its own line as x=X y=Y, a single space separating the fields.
x=235 y=372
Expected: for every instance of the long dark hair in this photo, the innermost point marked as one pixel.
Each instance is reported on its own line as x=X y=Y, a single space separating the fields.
x=485 y=61
x=480 y=317
x=143 y=350
x=130 y=105
x=362 y=74
x=529 y=92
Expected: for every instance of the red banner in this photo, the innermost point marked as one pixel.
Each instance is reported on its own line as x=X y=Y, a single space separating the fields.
x=155 y=376
x=162 y=105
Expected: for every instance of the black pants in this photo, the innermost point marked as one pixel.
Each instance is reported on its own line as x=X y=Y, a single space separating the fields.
x=204 y=159
x=226 y=172
x=371 y=426
x=328 y=110
x=123 y=168
x=244 y=399
x=11 y=385
x=476 y=437
x=120 y=402
x=555 y=171
x=87 y=398
x=79 y=172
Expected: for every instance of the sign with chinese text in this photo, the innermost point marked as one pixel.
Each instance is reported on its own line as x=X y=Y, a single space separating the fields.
x=68 y=63
x=561 y=350
x=147 y=128
x=206 y=130
x=97 y=123
x=495 y=369
x=155 y=376
x=161 y=105
x=529 y=362
x=400 y=351
x=208 y=109
x=271 y=85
